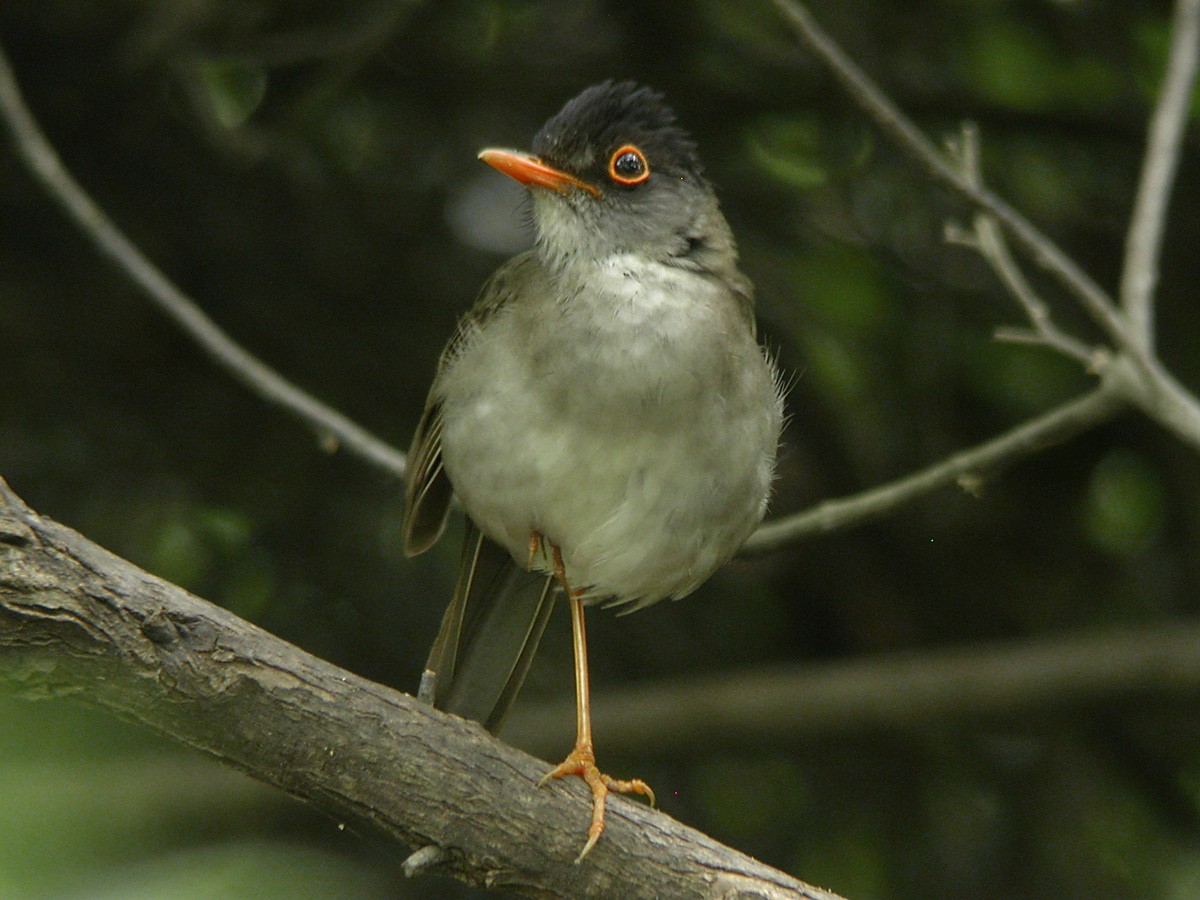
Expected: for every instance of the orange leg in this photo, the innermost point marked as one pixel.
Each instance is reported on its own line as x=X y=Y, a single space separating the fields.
x=535 y=548
x=581 y=760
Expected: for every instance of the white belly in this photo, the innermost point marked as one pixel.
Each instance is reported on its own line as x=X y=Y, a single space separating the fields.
x=636 y=432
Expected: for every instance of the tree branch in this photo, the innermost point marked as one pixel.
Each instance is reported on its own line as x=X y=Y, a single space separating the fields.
x=1143 y=243
x=903 y=691
x=1139 y=375
x=44 y=163
x=888 y=117
x=987 y=239
x=77 y=621
x=1047 y=429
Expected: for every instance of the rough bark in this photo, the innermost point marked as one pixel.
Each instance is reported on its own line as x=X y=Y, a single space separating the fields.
x=75 y=620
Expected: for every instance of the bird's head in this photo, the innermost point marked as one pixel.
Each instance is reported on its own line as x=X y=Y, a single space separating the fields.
x=611 y=173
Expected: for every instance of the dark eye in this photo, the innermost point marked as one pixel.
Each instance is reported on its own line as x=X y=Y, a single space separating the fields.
x=628 y=166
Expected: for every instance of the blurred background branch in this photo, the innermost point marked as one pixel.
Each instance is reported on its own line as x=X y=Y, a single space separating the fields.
x=903 y=693
x=334 y=429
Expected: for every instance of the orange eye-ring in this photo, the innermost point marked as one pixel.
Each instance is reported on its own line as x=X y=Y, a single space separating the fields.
x=628 y=166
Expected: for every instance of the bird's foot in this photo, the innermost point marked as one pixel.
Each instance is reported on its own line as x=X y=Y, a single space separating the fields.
x=582 y=762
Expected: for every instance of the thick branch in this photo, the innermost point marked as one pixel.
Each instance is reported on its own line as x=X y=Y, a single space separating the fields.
x=910 y=691
x=41 y=159
x=1143 y=243
x=1047 y=429
x=76 y=620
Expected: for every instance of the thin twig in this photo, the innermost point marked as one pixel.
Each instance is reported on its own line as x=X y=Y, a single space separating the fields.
x=1143 y=243
x=1095 y=300
x=1092 y=359
x=42 y=160
x=1049 y=428
x=994 y=249
x=987 y=239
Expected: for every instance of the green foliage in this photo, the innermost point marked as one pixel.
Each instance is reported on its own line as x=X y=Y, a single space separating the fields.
x=1126 y=504
x=1152 y=37
x=1021 y=380
x=789 y=150
x=99 y=809
x=722 y=783
x=1015 y=64
x=232 y=89
x=854 y=859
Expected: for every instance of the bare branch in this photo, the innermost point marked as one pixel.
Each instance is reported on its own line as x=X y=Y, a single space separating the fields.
x=899 y=691
x=1132 y=369
x=1047 y=429
x=76 y=620
x=42 y=160
x=987 y=239
x=1160 y=396
x=1093 y=359
x=1143 y=243
x=888 y=117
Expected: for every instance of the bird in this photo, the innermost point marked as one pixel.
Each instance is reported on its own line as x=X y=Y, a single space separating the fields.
x=604 y=413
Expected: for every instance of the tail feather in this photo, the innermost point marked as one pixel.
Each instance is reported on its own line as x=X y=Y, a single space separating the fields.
x=489 y=633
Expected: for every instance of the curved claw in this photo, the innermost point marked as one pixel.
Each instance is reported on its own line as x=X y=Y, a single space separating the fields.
x=582 y=762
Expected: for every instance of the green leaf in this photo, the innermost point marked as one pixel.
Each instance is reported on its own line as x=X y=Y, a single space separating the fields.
x=789 y=149
x=1018 y=66
x=1125 y=504
x=233 y=88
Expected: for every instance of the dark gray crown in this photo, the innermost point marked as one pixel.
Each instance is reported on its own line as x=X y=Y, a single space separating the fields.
x=584 y=133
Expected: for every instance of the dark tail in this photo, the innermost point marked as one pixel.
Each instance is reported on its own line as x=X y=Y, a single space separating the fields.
x=489 y=634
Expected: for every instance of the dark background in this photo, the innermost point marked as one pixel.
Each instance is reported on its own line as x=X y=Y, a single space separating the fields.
x=307 y=172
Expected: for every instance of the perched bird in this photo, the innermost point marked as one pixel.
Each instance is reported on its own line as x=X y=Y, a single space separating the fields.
x=604 y=413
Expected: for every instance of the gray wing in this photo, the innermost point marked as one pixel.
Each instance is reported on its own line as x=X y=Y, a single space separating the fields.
x=429 y=492
x=495 y=619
